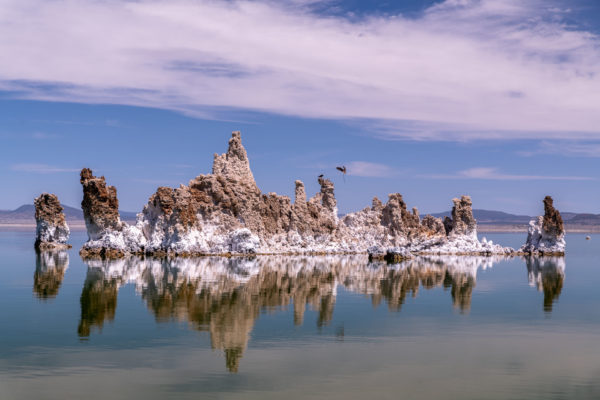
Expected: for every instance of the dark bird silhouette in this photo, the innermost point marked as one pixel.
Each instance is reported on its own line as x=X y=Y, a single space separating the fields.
x=342 y=169
x=320 y=176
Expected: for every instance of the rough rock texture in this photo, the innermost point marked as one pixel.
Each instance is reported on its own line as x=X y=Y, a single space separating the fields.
x=108 y=236
x=100 y=205
x=553 y=222
x=52 y=231
x=546 y=234
x=225 y=213
x=463 y=223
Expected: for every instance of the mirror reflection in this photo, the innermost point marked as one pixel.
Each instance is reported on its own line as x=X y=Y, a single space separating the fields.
x=225 y=296
x=547 y=275
x=50 y=267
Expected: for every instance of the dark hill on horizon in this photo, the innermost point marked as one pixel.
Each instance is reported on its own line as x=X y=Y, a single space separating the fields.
x=492 y=217
x=26 y=215
x=485 y=218
x=502 y=221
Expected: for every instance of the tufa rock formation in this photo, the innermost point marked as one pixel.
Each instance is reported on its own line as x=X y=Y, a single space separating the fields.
x=546 y=234
x=100 y=205
x=463 y=222
x=52 y=231
x=108 y=236
x=225 y=213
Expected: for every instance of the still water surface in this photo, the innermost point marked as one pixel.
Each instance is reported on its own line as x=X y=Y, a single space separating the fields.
x=299 y=327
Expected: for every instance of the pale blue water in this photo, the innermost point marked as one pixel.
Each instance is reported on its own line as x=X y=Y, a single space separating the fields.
x=299 y=328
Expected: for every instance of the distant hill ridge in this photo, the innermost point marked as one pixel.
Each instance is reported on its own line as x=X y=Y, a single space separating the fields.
x=26 y=214
x=492 y=217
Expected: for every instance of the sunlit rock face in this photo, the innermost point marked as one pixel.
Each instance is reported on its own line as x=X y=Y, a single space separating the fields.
x=52 y=231
x=547 y=274
x=225 y=296
x=225 y=213
x=50 y=267
x=108 y=236
x=546 y=234
x=432 y=236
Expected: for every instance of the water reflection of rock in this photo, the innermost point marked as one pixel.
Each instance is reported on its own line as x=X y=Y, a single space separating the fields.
x=98 y=301
x=225 y=296
x=50 y=267
x=547 y=274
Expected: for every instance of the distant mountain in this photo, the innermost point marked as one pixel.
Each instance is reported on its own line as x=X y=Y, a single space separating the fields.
x=493 y=217
x=584 y=219
x=488 y=217
x=26 y=214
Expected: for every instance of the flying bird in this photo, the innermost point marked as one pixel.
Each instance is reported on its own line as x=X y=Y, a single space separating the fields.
x=342 y=169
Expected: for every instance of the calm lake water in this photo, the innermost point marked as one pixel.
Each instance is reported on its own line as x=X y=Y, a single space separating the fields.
x=299 y=327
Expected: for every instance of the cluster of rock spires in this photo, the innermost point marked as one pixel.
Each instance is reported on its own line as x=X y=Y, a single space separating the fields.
x=225 y=213
x=52 y=231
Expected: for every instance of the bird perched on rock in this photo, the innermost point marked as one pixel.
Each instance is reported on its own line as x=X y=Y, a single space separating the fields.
x=320 y=176
x=342 y=169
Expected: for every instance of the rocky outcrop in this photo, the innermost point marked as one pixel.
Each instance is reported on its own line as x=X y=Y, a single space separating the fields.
x=100 y=205
x=108 y=236
x=52 y=231
x=225 y=213
x=546 y=234
x=463 y=223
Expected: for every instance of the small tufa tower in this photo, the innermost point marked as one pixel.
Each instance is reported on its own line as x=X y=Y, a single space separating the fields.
x=52 y=231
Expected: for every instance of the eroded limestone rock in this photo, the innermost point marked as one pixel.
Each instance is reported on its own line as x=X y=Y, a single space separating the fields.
x=52 y=231
x=108 y=236
x=100 y=205
x=226 y=213
x=546 y=234
x=463 y=222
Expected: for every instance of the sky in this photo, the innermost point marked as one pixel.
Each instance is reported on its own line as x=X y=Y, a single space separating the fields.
x=498 y=99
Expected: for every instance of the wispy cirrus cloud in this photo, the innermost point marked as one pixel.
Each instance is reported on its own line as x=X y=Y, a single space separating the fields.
x=487 y=173
x=369 y=169
x=565 y=148
x=463 y=69
x=41 y=168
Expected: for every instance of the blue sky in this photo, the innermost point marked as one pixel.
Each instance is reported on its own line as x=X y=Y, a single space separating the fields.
x=495 y=99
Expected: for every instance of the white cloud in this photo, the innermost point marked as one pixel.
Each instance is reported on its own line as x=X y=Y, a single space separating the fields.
x=369 y=169
x=41 y=168
x=573 y=149
x=464 y=69
x=494 y=174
